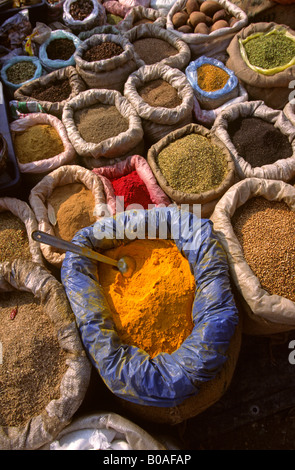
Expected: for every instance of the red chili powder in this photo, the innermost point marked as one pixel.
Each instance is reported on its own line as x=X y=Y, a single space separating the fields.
x=133 y=189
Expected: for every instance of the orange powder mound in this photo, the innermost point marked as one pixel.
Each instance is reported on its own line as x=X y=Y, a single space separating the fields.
x=153 y=308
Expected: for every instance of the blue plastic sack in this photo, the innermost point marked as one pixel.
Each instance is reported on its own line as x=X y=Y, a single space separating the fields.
x=129 y=372
x=15 y=60
x=212 y=99
x=51 y=65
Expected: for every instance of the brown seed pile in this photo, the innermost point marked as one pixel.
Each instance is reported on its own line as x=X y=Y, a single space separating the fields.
x=54 y=93
x=80 y=9
x=159 y=93
x=152 y=50
x=32 y=361
x=60 y=49
x=105 y=50
x=14 y=241
x=265 y=230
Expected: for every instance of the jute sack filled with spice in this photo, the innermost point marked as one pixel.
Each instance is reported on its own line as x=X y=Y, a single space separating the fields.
x=17 y=222
x=41 y=145
x=83 y=15
x=154 y=361
x=52 y=90
x=261 y=140
x=153 y=44
x=105 y=61
x=255 y=222
x=133 y=180
x=162 y=97
x=192 y=166
x=289 y=111
x=141 y=15
x=217 y=40
x=103 y=127
x=269 y=52
x=65 y=201
x=45 y=372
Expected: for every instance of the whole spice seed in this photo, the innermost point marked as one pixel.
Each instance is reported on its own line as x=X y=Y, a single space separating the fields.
x=192 y=164
x=152 y=50
x=105 y=50
x=21 y=72
x=33 y=362
x=81 y=9
x=259 y=142
x=37 y=142
x=159 y=93
x=100 y=122
x=265 y=230
x=270 y=51
x=60 y=49
x=211 y=78
x=54 y=93
x=14 y=241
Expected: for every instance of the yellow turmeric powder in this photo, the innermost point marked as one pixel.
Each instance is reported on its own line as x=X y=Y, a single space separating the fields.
x=211 y=78
x=153 y=308
x=37 y=142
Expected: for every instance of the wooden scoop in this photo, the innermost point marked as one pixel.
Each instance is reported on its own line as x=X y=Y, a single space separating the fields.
x=126 y=265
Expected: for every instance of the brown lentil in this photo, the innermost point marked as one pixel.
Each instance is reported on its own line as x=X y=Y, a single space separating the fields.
x=152 y=50
x=14 y=242
x=105 y=50
x=60 y=49
x=55 y=92
x=159 y=93
x=192 y=164
x=265 y=230
x=99 y=122
x=259 y=142
x=80 y=9
x=21 y=72
x=33 y=362
x=211 y=78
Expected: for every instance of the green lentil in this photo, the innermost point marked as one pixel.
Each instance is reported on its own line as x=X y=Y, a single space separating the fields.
x=192 y=164
x=14 y=242
x=270 y=51
x=21 y=72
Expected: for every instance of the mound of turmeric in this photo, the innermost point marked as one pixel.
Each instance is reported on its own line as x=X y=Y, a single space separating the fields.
x=153 y=308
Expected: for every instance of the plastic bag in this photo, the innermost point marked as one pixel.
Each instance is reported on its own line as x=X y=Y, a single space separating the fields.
x=14 y=30
x=212 y=99
x=129 y=372
x=97 y=17
x=14 y=60
x=51 y=65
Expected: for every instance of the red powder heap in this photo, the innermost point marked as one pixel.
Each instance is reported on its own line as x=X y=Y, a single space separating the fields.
x=133 y=189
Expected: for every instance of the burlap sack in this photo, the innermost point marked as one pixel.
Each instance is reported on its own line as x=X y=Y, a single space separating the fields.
x=209 y=393
x=24 y=93
x=110 y=150
x=132 y=163
x=141 y=13
x=178 y=61
x=208 y=199
x=283 y=169
x=264 y=313
x=157 y=122
x=43 y=428
x=272 y=89
x=289 y=111
x=23 y=211
x=43 y=190
x=106 y=73
x=215 y=42
x=120 y=434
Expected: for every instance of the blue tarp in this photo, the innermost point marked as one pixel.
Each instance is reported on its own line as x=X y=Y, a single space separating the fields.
x=129 y=372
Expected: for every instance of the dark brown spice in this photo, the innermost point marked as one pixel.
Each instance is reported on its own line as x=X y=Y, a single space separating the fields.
x=259 y=142
x=152 y=50
x=80 y=9
x=159 y=93
x=60 y=49
x=105 y=50
x=55 y=92
x=33 y=362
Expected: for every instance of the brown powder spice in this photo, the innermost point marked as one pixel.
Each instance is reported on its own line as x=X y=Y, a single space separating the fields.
x=160 y=93
x=265 y=230
x=14 y=242
x=33 y=362
x=153 y=50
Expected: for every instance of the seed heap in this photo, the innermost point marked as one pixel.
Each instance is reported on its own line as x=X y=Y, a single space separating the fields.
x=211 y=78
x=265 y=230
x=54 y=93
x=60 y=49
x=270 y=51
x=14 y=242
x=105 y=50
x=192 y=164
x=159 y=93
x=152 y=50
x=21 y=72
x=80 y=9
